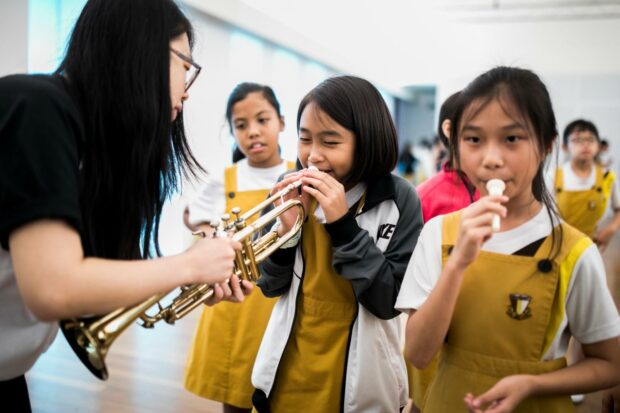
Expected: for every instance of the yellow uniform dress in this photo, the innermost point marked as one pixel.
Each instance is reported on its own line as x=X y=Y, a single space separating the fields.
x=584 y=209
x=420 y=380
x=310 y=374
x=503 y=326
x=228 y=334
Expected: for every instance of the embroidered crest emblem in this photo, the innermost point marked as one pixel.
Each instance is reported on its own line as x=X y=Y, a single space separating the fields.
x=519 y=306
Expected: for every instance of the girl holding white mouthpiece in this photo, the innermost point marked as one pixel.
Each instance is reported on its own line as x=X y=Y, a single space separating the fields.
x=501 y=306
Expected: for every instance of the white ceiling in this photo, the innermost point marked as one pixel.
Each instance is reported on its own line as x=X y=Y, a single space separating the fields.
x=526 y=10
x=402 y=42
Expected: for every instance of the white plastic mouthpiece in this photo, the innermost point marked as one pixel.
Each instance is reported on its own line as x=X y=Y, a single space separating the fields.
x=313 y=168
x=495 y=187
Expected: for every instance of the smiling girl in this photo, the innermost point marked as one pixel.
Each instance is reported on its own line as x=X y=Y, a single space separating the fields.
x=333 y=340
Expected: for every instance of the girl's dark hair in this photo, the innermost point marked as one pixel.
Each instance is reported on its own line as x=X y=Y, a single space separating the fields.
x=240 y=92
x=447 y=111
x=579 y=125
x=524 y=91
x=357 y=105
x=117 y=65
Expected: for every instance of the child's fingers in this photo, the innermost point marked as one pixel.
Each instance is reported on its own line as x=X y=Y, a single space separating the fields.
x=235 y=285
x=479 y=235
x=227 y=292
x=325 y=184
x=315 y=193
x=247 y=287
x=484 y=219
x=287 y=180
x=317 y=184
x=484 y=205
x=216 y=297
x=321 y=176
x=468 y=399
x=493 y=398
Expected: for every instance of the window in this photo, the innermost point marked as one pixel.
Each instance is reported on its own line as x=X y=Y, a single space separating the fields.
x=49 y=26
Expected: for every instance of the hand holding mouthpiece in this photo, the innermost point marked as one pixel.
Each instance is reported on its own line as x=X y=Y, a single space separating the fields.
x=495 y=187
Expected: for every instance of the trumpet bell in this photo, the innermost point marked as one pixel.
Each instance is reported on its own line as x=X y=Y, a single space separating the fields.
x=89 y=350
x=90 y=338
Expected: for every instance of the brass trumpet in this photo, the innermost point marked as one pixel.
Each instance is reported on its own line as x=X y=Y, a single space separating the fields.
x=91 y=337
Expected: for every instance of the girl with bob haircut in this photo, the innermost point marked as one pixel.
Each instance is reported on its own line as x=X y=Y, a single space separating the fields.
x=88 y=156
x=501 y=305
x=333 y=339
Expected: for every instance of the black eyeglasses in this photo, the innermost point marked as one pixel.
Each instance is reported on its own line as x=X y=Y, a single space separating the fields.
x=194 y=69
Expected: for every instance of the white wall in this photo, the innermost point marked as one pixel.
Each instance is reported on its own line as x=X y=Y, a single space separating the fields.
x=402 y=43
x=228 y=57
x=576 y=59
x=13 y=36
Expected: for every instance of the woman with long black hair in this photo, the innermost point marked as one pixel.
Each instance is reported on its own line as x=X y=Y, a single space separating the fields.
x=88 y=157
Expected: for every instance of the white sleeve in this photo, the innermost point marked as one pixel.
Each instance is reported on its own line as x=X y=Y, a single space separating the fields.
x=210 y=203
x=424 y=268
x=591 y=311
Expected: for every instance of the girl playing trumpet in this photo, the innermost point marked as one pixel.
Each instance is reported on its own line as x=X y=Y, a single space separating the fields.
x=333 y=339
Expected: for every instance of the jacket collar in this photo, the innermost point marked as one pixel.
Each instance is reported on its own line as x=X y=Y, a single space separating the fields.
x=379 y=189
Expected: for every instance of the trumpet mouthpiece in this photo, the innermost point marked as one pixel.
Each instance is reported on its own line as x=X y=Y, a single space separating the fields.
x=496 y=187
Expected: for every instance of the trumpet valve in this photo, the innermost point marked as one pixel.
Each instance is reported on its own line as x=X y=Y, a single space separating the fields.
x=236 y=211
x=239 y=221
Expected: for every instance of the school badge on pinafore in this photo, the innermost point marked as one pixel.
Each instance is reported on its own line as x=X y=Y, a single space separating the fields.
x=519 y=306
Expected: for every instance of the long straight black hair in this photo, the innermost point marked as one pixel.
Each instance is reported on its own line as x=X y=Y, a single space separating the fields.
x=117 y=66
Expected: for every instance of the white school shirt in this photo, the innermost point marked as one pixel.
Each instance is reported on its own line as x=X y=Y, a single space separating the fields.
x=210 y=204
x=590 y=309
x=572 y=182
x=22 y=336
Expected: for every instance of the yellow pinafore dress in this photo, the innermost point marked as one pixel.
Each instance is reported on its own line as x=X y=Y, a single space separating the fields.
x=228 y=334
x=584 y=209
x=310 y=375
x=506 y=316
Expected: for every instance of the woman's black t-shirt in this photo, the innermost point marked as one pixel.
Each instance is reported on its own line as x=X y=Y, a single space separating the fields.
x=41 y=133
